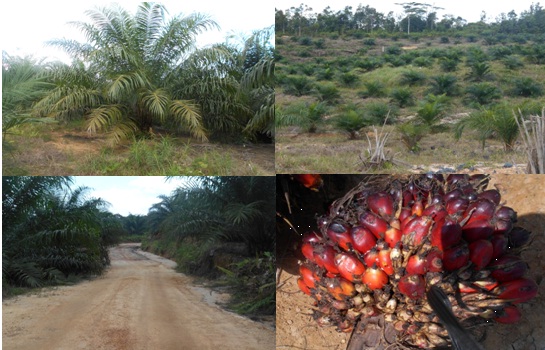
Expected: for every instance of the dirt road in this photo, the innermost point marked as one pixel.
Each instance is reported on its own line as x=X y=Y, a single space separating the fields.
x=140 y=303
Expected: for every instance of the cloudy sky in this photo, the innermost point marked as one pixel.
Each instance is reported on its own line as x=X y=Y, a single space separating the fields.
x=469 y=10
x=128 y=194
x=26 y=25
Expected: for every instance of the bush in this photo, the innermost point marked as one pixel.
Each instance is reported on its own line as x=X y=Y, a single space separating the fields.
x=444 y=40
x=431 y=112
x=444 y=84
x=479 y=71
x=319 y=44
x=325 y=74
x=403 y=97
x=374 y=89
x=512 y=62
x=378 y=111
x=411 y=134
x=526 y=87
x=423 y=62
x=369 y=63
x=297 y=85
x=483 y=93
x=307 y=116
x=327 y=92
x=393 y=50
x=413 y=78
x=369 y=42
x=449 y=65
x=306 y=41
x=348 y=79
x=352 y=121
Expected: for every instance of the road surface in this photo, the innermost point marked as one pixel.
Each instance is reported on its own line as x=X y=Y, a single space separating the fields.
x=140 y=303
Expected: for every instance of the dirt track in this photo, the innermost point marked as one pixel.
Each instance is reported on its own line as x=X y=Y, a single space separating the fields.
x=140 y=303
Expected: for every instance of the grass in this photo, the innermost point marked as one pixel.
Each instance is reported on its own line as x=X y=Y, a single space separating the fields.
x=61 y=150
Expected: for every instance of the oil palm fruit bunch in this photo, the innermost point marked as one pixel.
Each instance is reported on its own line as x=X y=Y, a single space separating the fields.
x=381 y=247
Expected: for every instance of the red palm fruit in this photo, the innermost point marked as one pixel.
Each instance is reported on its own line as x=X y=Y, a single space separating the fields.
x=436 y=211
x=435 y=260
x=340 y=288
x=303 y=286
x=362 y=239
x=308 y=251
x=419 y=227
x=417 y=208
x=492 y=195
x=446 y=233
x=479 y=181
x=484 y=210
x=453 y=179
x=381 y=204
x=508 y=315
x=392 y=236
x=310 y=181
x=502 y=226
x=505 y=213
x=455 y=257
x=456 y=205
x=480 y=253
x=479 y=229
x=455 y=193
x=499 y=244
x=349 y=266
x=518 y=237
x=374 y=277
x=324 y=256
x=508 y=268
x=517 y=291
x=465 y=287
x=404 y=214
x=406 y=220
x=312 y=237
x=469 y=191
x=413 y=286
x=435 y=199
x=371 y=257
x=417 y=265
x=385 y=261
x=374 y=223
x=339 y=234
x=408 y=198
x=309 y=277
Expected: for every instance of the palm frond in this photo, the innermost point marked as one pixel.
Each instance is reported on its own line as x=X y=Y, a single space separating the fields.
x=156 y=102
x=187 y=113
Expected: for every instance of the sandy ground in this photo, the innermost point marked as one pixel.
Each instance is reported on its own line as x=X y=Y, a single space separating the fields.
x=525 y=193
x=140 y=303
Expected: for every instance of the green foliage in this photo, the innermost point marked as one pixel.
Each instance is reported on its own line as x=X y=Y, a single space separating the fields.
x=411 y=134
x=497 y=122
x=379 y=111
x=512 y=62
x=369 y=42
x=49 y=231
x=526 y=87
x=297 y=85
x=444 y=84
x=444 y=40
x=413 y=78
x=432 y=111
x=327 y=92
x=305 y=41
x=374 y=89
x=369 y=63
x=403 y=97
x=393 y=50
x=479 y=71
x=351 y=121
x=483 y=93
x=449 y=65
x=349 y=79
x=307 y=116
x=423 y=62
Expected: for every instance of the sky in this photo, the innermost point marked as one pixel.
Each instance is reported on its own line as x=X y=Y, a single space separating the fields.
x=469 y=10
x=27 y=25
x=128 y=194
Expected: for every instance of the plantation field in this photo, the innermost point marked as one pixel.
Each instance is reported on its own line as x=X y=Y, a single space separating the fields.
x=68 y=149
x=442 y=99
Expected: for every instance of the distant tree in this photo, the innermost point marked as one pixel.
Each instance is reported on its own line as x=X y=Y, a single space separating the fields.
x=414 y=9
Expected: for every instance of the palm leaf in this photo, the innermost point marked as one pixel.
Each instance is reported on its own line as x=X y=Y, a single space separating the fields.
x=187 y=113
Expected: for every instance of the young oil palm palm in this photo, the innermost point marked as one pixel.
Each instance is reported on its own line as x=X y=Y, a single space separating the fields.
x=125 y=71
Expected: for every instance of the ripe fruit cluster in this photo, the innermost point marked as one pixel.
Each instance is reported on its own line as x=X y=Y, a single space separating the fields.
x=377 y=252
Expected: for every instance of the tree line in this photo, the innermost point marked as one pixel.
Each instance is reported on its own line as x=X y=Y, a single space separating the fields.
x=418 y=17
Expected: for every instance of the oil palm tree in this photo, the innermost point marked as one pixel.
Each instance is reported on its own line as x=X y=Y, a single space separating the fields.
x=121 y=79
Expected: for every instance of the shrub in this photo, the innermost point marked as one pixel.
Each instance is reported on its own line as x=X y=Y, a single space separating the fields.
x=449 y=65
x=306 y=41
x=297 y=85
x=351 y=121
x=369 y=63
x=479 y=71
x=444 y=40
x=304 y=53
x=325 y=74
x=411 y=134
x=327 y=92
x=444 y=84
x=348 y=79
x=307 y=116
x=412 y=78
x=483 y=93
x=476 y=54
x=374 y=89
x=423 y=62
x=369 y=42
x=526 y=87
x=378 y=111
x=319 y=44
x=512 y=62
x=430 y=113
x=393 y=50
x=403 y=97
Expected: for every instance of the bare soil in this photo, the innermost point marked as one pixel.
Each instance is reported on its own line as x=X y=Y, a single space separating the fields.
x=140 y=303
x=297 y=330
